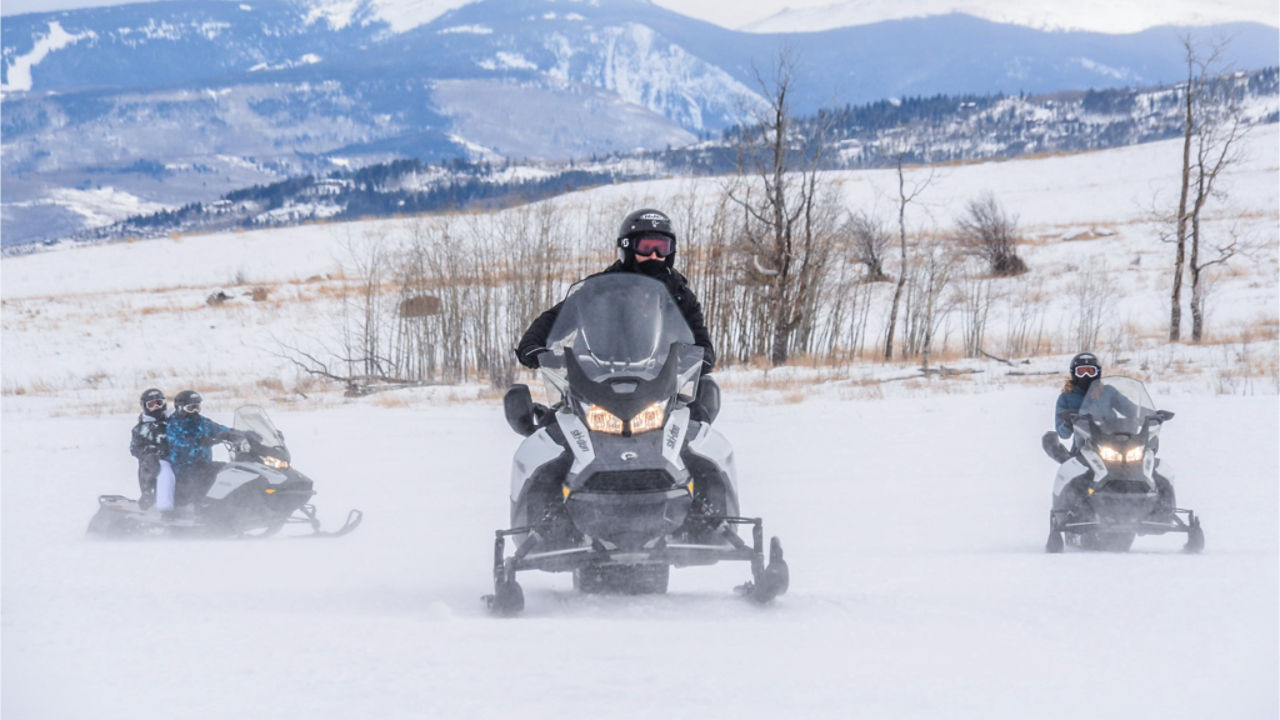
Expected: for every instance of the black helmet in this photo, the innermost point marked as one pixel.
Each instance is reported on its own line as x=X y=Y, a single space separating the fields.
x=152 y=401
x=1085 y=368
x=641 y=224
x=187 y=402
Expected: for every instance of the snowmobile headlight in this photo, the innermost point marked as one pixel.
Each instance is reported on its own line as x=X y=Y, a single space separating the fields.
x=1110 y=454
x=650 y=418
x=274 y=463
x=1134 y=454
x=601 y=420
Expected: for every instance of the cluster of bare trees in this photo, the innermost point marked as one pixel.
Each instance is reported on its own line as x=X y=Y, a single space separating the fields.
x=782 y=267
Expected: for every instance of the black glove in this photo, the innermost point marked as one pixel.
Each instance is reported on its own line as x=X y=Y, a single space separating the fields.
x=255 y=437
x=528 y=355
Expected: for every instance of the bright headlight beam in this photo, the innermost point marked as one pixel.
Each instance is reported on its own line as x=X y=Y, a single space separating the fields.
x=1109 y=454
x=650 y=418
x=601 y=420
x=1134 y=454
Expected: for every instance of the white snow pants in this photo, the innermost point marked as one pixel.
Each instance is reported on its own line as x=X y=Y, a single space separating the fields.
x=164 y=486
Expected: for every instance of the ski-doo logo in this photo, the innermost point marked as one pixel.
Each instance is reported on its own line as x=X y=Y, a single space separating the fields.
x=629 y=456
x=581 y=439
x=673 y=436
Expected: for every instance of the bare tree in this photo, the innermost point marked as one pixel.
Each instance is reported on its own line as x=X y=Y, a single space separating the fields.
x=1093 y=298
x=1217 y=148
x=926 y=310
x=905 y=197
x=1213 y=125
x=870 y=240
x=788 y=215
x=990 y=233
x=974 y=297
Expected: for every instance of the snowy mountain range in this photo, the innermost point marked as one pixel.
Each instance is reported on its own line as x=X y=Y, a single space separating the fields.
x=111 y=111
x=1104 y=16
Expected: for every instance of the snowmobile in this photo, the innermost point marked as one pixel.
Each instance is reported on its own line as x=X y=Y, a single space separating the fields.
x=1112 y=487
x=254 y=495
x=618 y=482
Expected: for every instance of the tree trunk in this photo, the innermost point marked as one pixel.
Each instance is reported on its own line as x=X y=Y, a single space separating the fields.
x=902 y=271
x=1175 y=298
x=1197 y=290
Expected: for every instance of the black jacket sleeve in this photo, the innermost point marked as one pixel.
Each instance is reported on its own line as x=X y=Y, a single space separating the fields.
x=137 y=441
x=535 y=337
x=692 y=310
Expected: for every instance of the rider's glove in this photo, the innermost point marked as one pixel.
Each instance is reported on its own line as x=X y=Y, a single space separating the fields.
x=528 y=355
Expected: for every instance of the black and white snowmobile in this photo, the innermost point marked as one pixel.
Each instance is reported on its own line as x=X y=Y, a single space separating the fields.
x=617 y=482
x=1113 y=487
x=255 y=494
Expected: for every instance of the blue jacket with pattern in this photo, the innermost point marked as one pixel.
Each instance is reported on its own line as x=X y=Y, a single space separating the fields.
x=1072 y=398
x=190 y=437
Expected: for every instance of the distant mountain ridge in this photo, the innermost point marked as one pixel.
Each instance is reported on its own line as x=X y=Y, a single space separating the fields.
x=927 y=130
x=176 y=102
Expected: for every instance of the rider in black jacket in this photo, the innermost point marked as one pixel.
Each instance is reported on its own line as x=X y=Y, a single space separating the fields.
x=646 y=245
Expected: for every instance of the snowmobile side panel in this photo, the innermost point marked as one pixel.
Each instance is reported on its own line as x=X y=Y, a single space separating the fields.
x=537 y=450
x=236 y=475
x=673 y=436
x=710 y=444
x=1068 y=471
x=575 y=432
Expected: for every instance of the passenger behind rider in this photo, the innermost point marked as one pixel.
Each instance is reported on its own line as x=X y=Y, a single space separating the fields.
x=646 y=245
x=149 y=443
x=191 y=435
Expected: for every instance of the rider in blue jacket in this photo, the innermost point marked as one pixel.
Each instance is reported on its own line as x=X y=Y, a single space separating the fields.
x=191 y=435
x=1085 y=368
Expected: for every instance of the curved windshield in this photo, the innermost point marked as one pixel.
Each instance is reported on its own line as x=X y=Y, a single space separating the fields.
x=252 y=417
x=1118 y=405
x=618 y=324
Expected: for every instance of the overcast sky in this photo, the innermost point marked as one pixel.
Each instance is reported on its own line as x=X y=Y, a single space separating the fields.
x=737 y=13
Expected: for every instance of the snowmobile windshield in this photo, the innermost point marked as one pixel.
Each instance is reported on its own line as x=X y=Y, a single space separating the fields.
x=618 y=325
x=1119 y=405
x=252 y=417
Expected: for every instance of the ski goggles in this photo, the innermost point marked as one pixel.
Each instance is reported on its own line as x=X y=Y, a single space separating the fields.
x=650 y=244
x=1084 y=371
x=156 y=404
x=191 y=408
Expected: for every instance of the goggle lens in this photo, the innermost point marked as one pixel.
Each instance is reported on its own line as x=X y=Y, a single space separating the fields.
x=153 y=405
x=191 y=408
x=1085 y=371
x=650 y=244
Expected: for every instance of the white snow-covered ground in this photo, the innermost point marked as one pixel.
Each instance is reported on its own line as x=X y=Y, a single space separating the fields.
x=913 y=513
x=914 y=530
